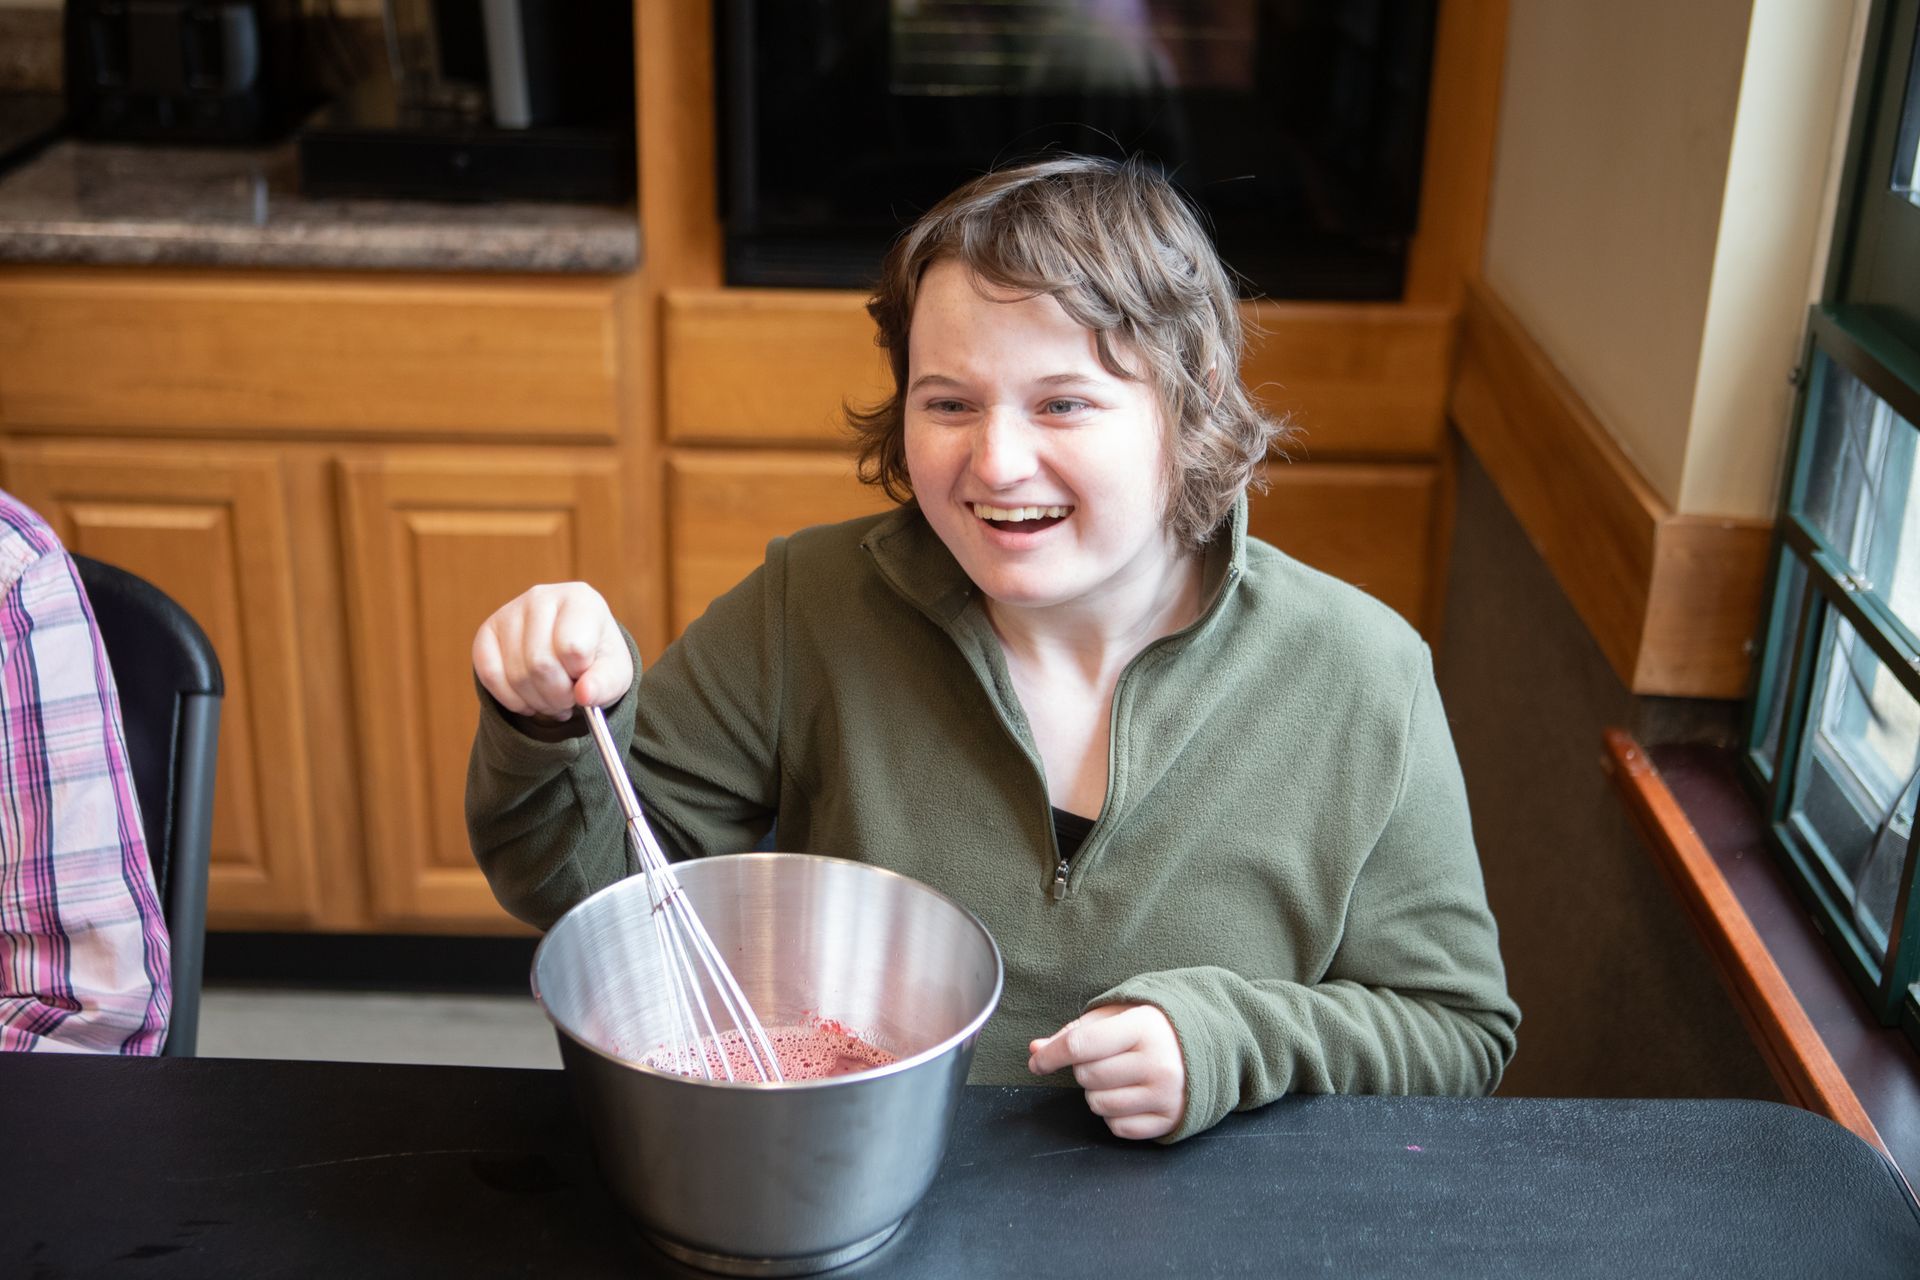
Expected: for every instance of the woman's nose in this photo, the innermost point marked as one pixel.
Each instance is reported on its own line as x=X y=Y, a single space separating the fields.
x=1003 y=449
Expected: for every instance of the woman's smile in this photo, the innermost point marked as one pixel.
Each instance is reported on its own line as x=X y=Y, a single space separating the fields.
x=1021 y=521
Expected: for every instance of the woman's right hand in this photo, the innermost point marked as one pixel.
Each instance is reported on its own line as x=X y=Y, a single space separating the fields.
x=551 y=649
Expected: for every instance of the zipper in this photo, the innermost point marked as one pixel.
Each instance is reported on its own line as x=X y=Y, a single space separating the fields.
x=1060 y=880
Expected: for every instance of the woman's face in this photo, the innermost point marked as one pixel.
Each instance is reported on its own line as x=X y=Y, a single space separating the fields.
x=1042 y=472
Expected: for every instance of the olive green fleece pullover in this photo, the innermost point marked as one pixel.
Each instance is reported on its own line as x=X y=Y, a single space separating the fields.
x=1284 y=863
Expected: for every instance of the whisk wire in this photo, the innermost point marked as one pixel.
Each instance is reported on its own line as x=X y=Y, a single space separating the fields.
x=678 y=932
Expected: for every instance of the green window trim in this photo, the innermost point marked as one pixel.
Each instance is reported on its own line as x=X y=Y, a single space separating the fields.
x=1834 y=720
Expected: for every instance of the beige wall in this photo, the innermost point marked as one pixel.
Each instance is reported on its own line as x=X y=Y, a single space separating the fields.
x=1775 y=225
x=1660 y=197
x=1615 y=125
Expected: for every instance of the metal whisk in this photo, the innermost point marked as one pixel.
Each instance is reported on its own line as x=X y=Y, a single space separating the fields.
x=688 y=957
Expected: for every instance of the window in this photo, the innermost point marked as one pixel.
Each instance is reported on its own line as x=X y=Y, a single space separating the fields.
x=1833 y=743
x=1906 y=155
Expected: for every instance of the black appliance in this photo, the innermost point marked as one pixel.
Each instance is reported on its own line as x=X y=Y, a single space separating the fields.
x=183 y=70
x=495 y=99
x=1297 y=125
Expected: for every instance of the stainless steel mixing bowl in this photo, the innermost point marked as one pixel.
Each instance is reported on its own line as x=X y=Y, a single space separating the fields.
x=774 y=1179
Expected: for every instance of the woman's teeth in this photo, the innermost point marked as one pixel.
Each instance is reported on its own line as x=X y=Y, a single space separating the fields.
x=1019 y=513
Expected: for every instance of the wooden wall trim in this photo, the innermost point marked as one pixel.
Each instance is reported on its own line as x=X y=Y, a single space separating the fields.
x=1672 y=600
x=1795 y=1053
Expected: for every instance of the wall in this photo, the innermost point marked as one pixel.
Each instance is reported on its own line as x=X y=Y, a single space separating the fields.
x=1661 y=186
x=1775 y=222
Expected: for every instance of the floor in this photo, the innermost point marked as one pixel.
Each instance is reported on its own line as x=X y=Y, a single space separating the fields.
x=362 y=1026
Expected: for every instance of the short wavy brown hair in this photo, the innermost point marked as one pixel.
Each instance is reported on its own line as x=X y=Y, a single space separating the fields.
x=1126 y=256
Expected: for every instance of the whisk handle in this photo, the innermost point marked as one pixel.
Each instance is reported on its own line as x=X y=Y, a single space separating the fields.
x=643 y=849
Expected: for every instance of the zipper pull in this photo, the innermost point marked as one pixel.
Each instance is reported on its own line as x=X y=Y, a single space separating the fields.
x=1060 y=880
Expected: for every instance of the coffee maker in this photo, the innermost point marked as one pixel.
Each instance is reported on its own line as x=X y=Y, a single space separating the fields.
x=183 y=70
x=486 y=99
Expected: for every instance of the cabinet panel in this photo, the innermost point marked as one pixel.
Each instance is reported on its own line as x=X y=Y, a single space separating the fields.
x=246 y=353
x=724 y=507
x=1372 y=526
x=435 y=542
x=208 y=526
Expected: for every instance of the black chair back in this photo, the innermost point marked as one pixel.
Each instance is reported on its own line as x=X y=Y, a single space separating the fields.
x=170 y=691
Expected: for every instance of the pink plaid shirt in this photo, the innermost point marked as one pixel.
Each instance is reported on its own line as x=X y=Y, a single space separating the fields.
x=83 y=948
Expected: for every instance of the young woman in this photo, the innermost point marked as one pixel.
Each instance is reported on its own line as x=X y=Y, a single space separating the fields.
x=1203 y=796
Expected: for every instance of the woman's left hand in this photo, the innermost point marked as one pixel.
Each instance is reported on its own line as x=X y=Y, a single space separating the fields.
x=1127 y=1058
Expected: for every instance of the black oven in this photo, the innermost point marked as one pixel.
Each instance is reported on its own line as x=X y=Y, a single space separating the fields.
x=1296 y=125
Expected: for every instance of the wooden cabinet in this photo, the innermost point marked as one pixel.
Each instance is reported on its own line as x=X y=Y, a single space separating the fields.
x=1376 y=526
x=435 y=541
x=340 y=477
x=208 y=525
x=723 y=508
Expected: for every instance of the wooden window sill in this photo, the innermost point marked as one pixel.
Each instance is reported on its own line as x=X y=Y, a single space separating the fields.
x=1825 y=1050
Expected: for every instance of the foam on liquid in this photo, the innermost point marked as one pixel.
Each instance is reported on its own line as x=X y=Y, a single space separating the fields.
x=814 y=1052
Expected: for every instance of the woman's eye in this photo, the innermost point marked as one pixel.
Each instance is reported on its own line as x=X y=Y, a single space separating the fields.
x=945 y=406
x=1059 y=407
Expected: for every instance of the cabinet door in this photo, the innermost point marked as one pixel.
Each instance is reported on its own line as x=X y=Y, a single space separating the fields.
x=1371 y=525
x=436 y=540
x=208 y=525
x=724 y=507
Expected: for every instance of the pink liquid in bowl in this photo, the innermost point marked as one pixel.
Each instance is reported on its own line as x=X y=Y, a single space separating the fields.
x=819 y=1050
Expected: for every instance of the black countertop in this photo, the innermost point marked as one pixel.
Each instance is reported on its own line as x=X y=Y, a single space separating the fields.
x=205 y=1168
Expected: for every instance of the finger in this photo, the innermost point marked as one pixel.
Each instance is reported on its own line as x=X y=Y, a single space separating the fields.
x=577 y=626
x=1135 y=1100
x=1099 y=1033
x=491 y=669
x=509 y=629
x=611 y=674
x=1120 y=1070
x=1141 y=1127
x=532 y=665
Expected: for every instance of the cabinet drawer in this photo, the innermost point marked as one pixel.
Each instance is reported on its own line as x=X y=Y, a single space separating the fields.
x=350 y=356
x=768 y=366
x=771 y=366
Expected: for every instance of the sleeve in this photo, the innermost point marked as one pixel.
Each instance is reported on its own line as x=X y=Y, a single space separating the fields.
x=84 y=962
x=1415 y=998
x=702 y=726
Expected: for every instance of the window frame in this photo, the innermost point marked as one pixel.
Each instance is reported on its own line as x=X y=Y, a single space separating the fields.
x=1868 y=324
x=1851 y=340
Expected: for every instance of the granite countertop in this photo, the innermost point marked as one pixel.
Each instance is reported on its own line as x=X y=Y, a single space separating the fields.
x=81 y=202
